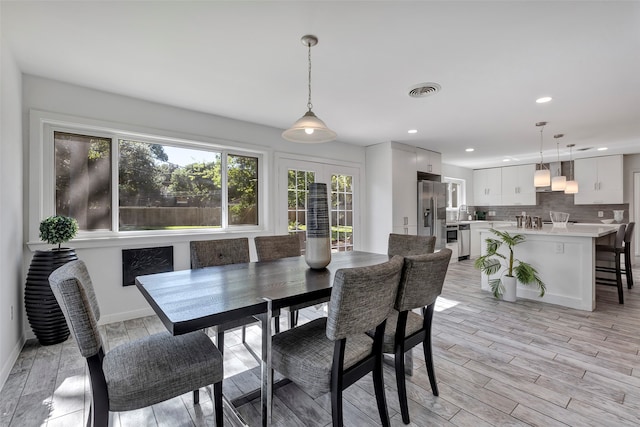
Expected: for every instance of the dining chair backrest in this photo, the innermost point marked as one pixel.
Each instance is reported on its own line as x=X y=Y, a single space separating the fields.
x=422 y=279
x=628 y=235
x=209 y=253
x=362 y=298
x=72 y=287
x=270 y=248
x=620 y=234
x=406 y=244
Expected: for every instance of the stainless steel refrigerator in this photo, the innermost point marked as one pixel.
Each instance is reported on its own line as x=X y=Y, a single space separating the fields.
x=432 y=211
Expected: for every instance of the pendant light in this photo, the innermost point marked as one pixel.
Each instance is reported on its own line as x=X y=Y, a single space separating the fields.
x=542 y=176
x=572 y=185
x=559 y=181
x=309 y=129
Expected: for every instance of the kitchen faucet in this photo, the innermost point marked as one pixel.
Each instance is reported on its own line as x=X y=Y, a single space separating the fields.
x=462 y=209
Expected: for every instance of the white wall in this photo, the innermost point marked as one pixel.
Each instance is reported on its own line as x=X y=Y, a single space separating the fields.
x=458 y=172
x=104 y=263
x=632 y=165
x=11 y=213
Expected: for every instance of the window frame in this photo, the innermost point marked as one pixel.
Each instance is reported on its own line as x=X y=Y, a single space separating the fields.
x=462 y=196
x=42 y=173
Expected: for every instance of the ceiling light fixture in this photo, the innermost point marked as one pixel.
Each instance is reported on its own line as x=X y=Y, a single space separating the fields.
x=309 y=129
x=543 y=99
x=469 y=150
x=602 y=149
x=412 y=131
x=572 y=184
x=558 y=182
x=542 y=176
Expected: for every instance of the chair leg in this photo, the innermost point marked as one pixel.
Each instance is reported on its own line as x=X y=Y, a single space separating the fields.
x=381 y=400
x=627 y=266
x=401 y=383
x=217 y=397
x=276 y=326
x=428 y=353
x=619 y=279
x=336 y=406
x=196 y=397
x=220 y=341
x=292 y=319
x=244 y=334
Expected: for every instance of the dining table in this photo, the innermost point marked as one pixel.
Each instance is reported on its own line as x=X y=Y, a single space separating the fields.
x=191 y=300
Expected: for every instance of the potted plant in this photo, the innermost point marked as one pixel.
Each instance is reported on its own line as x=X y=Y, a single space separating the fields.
x=514 y=270
x=58 y=229
x=44 y=314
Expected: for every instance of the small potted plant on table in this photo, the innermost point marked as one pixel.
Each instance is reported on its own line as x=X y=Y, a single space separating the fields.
x=44 y=314
x=514 y=270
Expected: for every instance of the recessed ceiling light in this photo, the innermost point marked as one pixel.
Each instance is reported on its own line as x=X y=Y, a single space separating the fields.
x=543 y=99
x=602 y=149
x=412 y=131
x=469 y=150
x=506 y=160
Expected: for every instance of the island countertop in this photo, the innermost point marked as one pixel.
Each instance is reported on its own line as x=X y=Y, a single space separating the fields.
x=573 y=230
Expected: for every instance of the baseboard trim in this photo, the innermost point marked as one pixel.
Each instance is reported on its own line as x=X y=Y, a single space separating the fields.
x=11 y=361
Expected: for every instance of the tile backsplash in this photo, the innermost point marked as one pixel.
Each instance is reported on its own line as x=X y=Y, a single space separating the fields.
x=554 y=201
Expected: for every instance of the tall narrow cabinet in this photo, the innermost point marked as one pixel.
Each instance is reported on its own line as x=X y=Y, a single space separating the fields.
x=391 y=193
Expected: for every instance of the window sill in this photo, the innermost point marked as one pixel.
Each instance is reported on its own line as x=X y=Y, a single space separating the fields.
x=135 y=238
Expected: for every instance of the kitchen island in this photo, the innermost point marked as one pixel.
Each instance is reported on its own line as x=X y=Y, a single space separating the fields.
x=564 y=258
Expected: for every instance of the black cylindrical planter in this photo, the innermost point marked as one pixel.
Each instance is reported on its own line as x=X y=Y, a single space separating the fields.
x=44 y=314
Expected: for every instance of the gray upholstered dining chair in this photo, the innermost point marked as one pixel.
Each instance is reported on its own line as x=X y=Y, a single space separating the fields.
x=421 y=283
x=333 y=352
x=406 y=244
x=139 y=373
x=271 y=248
x=210 y=253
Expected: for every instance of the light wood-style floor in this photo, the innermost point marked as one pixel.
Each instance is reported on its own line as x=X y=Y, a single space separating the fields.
x=497 y=364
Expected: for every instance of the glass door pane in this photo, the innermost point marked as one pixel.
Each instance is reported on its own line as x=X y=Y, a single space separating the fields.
x=341 y=213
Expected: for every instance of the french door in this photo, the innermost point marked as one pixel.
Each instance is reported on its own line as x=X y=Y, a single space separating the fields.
x=294 y=177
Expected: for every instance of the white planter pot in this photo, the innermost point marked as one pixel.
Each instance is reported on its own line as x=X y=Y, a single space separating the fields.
x=510 y=285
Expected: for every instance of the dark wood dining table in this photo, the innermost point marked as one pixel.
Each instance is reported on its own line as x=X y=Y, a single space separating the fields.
x=191 y=300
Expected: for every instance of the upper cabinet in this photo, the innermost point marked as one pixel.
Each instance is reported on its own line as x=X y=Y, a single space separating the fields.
x=487 y=187
x=517 y=185
x=600 y=180
x=429 y=161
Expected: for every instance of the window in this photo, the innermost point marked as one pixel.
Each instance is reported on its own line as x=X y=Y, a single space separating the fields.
x=456 y=196
x=158 y=185
x=296 y=175
x=341 y=213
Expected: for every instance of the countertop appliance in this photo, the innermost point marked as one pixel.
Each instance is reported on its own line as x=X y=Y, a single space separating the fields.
x=432 y=211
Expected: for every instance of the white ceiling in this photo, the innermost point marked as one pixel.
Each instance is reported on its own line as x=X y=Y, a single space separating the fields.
x=244 y=60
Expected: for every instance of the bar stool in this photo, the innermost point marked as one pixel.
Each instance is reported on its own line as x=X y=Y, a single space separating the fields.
x=612 y=254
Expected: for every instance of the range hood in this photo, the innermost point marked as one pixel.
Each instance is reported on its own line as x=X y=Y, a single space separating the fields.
x=554 y=167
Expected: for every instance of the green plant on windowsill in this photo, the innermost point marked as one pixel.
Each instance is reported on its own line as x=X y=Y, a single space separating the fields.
x=491 y=262
x=58 y=229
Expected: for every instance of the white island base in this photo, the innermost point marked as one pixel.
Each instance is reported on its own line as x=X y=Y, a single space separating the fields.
x=564 y=258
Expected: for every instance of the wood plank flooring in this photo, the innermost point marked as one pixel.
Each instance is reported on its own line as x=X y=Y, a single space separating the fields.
x=497 y=364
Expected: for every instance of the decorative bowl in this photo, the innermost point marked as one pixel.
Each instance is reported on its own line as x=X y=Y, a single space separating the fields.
x=607 y=221
x=559 y=219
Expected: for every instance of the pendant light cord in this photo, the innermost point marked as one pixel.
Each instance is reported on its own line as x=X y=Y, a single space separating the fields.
x=309 y=104
x=541 y=139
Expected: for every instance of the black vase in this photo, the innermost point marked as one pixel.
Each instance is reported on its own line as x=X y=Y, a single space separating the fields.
x=44 y=313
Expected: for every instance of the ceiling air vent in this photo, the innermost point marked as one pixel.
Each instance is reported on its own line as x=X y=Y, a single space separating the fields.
x=424 y=89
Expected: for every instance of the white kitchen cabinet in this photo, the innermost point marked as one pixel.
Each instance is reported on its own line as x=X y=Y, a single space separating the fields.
x=429 y=161
x=392 y=193
x=487 y=187
x=517 y=185
x=600 y=180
